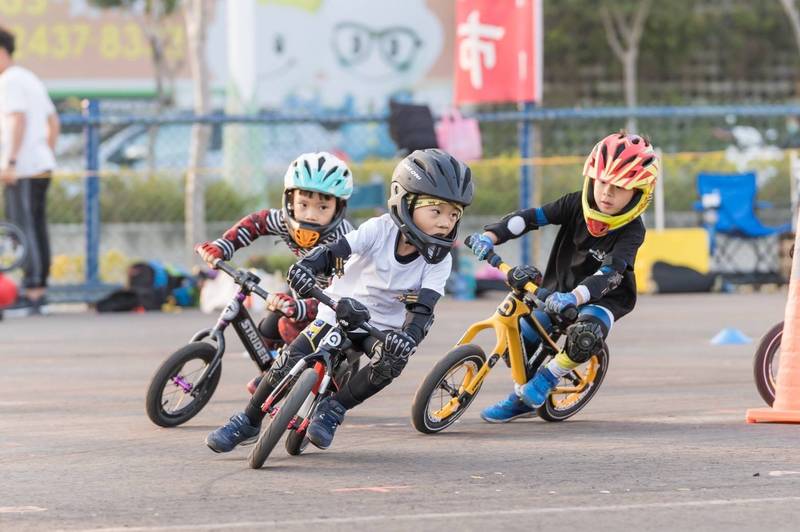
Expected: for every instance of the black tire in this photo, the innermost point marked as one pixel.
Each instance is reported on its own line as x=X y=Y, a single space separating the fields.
x=464 y=355
x=556 y=409
x=296 y=440
x=162 y=382
x=288 y=410
x=763 y=363
x=13 y=248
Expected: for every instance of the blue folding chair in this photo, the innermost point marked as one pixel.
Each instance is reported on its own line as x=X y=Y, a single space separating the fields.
x=728 y=205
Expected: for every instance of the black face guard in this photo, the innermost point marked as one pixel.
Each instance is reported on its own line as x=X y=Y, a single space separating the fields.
x=433 y=249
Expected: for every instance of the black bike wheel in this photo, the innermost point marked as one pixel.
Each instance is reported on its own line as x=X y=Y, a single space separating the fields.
x=442 y=384
x=172 y=397
x=765 y=363
x=287 y=411
x=12 y=247
x=559 y=407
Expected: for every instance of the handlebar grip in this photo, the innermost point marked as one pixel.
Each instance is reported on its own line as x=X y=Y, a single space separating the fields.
x=571 y=313
x=374 y=332
x=322 y=297
x=220 y=264
x=260 y=292
x=493 y=259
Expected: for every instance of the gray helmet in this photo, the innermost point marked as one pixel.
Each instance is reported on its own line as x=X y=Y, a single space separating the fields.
x=434 y=173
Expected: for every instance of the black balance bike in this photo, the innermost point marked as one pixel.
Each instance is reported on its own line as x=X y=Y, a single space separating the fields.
x=185 y=382
x=291 y=404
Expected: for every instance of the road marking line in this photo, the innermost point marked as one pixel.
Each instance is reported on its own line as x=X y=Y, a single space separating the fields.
x=451 y=515
x=376 y=489
x=783 y=473
x=20 y=509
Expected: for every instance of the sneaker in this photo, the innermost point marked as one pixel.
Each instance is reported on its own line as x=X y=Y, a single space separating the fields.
x=534 y=393
x=253 y=384
x=328 y=415
x=508 y=409
x=237 y=431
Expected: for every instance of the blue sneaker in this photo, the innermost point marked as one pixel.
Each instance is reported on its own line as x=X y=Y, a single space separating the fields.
x=536 y=390
x=238 y=430
x=508 y=409
x=328 y=415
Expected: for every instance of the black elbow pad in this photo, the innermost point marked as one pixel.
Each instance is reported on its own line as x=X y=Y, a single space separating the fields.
x=419 y=313
x=513 y=225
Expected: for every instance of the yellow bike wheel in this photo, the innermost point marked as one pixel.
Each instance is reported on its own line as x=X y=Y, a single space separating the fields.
x=434 y=407
x=575 y=389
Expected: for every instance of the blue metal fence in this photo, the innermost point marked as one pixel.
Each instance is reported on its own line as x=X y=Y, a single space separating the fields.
x=563 y=131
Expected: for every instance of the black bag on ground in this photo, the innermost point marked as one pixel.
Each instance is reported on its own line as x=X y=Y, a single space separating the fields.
x=671 y=279
x=150 y=282
x=119 y=301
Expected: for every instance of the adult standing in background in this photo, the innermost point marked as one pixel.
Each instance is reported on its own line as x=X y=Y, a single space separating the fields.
x=29 y=128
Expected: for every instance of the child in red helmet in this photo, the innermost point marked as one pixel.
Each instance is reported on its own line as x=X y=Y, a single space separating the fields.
x=591 y=262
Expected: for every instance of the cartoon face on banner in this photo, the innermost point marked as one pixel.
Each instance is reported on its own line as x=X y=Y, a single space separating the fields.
x=287 y=40
x=372 y=51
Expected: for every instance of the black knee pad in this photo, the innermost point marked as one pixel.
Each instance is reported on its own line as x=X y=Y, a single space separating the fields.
x=280 y=367
x=584 y=339
x=287 y=358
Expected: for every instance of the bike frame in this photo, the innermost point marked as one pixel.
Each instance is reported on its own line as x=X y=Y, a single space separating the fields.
x=505 y=323
x=323 y=359
x=236 y=314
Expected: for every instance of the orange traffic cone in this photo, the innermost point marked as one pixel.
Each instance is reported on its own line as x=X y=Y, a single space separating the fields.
x=786 y=408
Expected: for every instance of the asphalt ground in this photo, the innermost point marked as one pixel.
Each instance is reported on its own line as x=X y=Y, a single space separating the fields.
x=662 y=446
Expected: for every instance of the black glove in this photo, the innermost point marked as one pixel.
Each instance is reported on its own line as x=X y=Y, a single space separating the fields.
x=351 y=314
x=301 y=279
x=519 y=276
x=399 y=345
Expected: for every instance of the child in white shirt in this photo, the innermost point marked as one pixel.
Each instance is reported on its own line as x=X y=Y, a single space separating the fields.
x=395 y=268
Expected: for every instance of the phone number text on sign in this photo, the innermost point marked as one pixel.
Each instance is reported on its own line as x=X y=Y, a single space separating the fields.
x=124 y=41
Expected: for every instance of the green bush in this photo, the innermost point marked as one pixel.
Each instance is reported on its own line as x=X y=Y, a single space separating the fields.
x=135 y=199
x=160 y=199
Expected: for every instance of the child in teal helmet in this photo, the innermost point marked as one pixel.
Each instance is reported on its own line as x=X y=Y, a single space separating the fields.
x=316 y=189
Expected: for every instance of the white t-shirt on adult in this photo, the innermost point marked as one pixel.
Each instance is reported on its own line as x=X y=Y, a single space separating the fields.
x=21 y=91
x=373 y=275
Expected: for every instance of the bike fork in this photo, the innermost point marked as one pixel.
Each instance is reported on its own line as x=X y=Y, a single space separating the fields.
x=281 y=387
x=323 y=381
x=467 y=389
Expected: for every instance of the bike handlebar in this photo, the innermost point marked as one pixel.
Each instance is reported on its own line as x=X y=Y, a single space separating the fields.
x=242 y=278
x=328 y=301
x=570 y=313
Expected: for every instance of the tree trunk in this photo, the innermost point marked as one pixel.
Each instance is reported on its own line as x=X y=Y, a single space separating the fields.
x=623 y=37
x=159 y=66
x=630 y=87
x=196 y=17
x=794 y=19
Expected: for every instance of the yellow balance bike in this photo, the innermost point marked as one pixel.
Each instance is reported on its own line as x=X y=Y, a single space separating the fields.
x=456 y=379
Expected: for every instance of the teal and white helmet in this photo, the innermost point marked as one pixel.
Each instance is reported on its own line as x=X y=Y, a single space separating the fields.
x=320 y=172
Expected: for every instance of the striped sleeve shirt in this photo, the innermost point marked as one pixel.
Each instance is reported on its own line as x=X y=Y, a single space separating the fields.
x=272 y=222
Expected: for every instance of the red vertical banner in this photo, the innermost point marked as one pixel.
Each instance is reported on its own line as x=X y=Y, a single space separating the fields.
x=498 y=51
